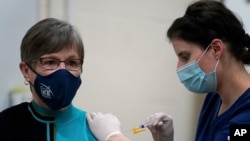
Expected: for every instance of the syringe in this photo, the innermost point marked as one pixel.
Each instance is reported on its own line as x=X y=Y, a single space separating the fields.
x=140 y=129
x=144 y=125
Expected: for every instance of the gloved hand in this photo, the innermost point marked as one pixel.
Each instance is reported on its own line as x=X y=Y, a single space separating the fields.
x=161 y=126
x=103 y=125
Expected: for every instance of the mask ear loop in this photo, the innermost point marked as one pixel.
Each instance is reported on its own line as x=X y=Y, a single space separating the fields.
x=216 y=65
x=31 y=68
x=31 y=85
x=204 y=52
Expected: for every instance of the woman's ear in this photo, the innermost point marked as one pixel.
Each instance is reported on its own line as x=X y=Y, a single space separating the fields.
x=25 y=71
x=217 y=47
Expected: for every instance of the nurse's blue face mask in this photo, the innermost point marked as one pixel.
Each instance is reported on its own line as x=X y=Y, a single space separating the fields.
x=196 y=80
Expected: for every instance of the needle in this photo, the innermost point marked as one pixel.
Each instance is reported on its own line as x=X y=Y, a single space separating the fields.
x=140 y=129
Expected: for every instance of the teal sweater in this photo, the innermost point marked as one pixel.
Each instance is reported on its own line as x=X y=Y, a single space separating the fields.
x=31 y=122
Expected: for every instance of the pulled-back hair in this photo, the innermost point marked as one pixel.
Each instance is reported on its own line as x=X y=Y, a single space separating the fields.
x=206 y=20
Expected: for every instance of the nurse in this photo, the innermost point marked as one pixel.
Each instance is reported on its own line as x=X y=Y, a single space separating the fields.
x=212 y=48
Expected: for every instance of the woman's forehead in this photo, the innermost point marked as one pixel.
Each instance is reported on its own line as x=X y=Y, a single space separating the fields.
x=64 y=53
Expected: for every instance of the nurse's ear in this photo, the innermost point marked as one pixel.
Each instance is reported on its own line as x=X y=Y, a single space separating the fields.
x=217 y=46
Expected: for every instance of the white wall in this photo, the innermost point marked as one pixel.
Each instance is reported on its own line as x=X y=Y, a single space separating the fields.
x=16 y=17
x=129 y=69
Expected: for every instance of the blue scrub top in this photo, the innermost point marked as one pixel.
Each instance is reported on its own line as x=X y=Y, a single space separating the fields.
x=212 y=127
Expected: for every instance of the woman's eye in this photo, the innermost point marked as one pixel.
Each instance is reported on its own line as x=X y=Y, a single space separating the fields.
x=184 y=56
x=72 y=63
x=50 y=62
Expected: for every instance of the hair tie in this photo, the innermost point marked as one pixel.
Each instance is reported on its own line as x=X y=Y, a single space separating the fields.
x=247 y=39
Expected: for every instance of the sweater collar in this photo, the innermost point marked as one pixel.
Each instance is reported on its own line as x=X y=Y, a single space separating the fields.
x=46 y=115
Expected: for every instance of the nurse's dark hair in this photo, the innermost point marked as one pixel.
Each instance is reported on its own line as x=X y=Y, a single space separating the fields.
x=50 y=35
x=206 y=20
